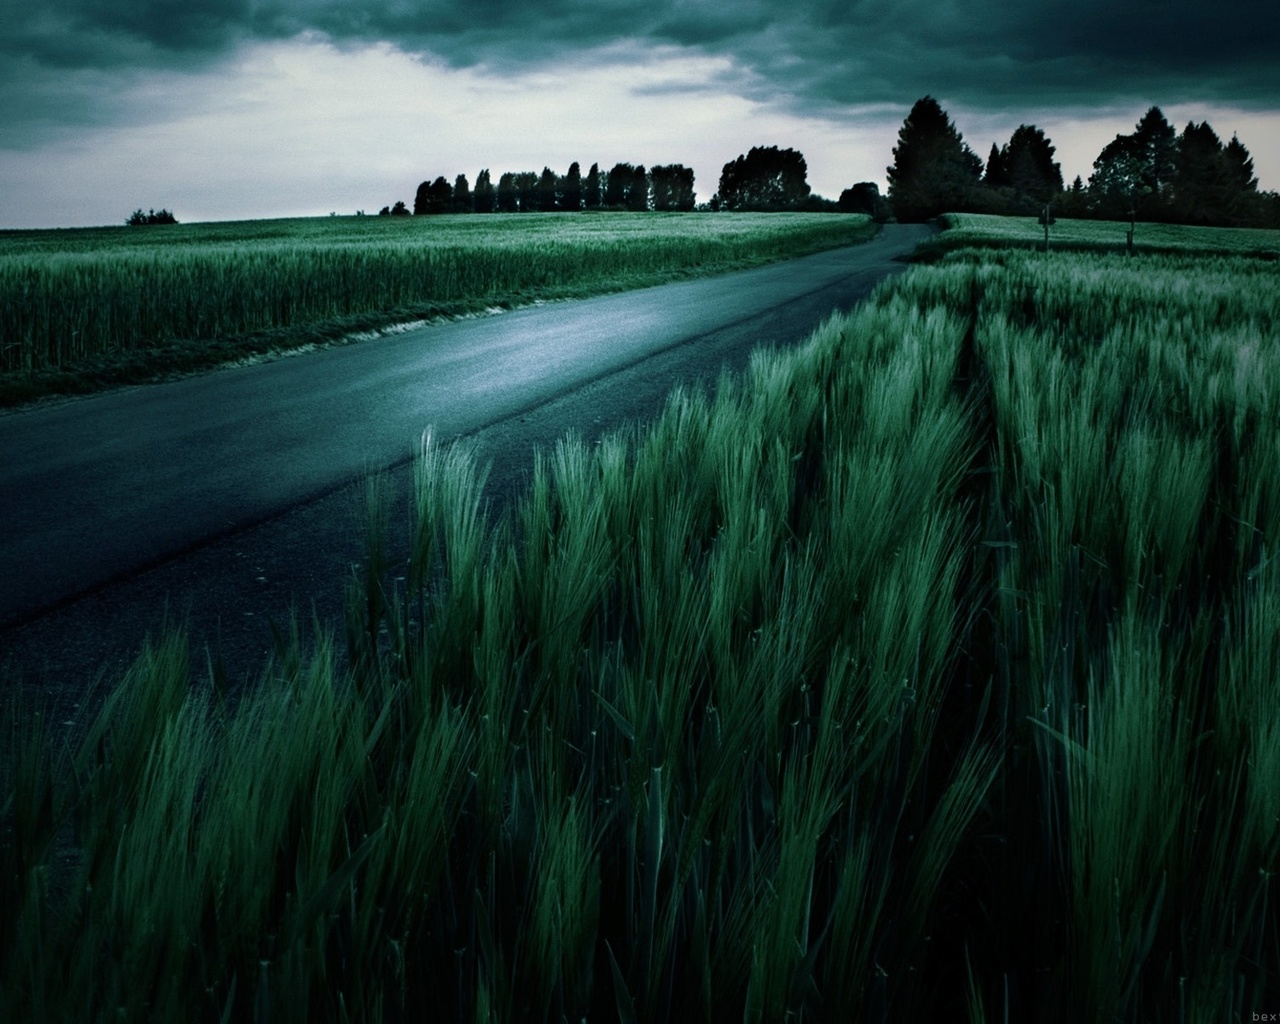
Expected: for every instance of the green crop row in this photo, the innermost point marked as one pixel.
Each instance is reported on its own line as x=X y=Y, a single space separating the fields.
x=77 y=296
x=928 y=673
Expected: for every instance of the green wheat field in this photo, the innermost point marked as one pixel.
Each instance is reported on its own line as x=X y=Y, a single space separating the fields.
x=86 y=308
x=928 y=672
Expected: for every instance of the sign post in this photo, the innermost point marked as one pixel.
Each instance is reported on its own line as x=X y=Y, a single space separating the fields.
x=1047 y=218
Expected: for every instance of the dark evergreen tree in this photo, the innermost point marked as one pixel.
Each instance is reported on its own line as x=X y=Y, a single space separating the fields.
x=1239 y=166
x=766 y=178
x=1244 y=203
x=546 y=200
x=508 y=196
x=638 y=193
x=1155 y=146
x=997 y=175
x=462 y=201
x=1201 y=185
x=1074 y=201
x=571 y=188
x=591 y=190
x=1028 y=161
x=484 y=197
x=933 y=170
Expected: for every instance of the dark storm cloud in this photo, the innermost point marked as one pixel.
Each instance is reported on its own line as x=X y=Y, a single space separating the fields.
x=984 y=54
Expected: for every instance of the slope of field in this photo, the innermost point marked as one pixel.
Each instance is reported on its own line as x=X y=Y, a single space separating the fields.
x=85 y=307
x=929 y=675
x=978 y=230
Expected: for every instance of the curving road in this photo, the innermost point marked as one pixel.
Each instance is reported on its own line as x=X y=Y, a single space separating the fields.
x=227 y=497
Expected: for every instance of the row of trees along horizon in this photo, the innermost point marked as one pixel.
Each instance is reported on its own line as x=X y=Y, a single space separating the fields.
x=766 y=178
x=1152 y=174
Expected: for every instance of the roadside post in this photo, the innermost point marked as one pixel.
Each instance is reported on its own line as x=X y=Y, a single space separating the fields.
x=1047 y=218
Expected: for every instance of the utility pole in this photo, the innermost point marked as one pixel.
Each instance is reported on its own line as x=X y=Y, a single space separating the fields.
x=1046 y=218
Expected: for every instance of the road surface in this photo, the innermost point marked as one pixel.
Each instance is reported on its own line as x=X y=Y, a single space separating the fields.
x=228 y=499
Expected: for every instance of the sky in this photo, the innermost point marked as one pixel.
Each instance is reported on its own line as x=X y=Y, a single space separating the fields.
x=231 y=109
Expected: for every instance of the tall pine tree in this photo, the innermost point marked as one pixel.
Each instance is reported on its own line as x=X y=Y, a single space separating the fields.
x=571 y=188
x=484 y=197
x=933 y=170
x=547 y=186
x=591 y=189
x=1201 y=187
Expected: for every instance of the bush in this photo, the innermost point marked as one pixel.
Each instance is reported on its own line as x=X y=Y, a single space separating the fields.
x=151 y=217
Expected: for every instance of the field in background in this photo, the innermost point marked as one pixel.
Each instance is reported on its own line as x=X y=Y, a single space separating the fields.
x=967 y=230
x=80 y=308
x=929 y=674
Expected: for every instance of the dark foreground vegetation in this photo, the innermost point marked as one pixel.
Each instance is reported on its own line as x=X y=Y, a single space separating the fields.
x=929 y=674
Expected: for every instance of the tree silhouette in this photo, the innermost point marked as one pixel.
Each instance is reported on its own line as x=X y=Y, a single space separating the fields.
x=546 y=194
x=672 y=186
x=1135 y=172
x=865 y=197
x=766 y=178
x=1202 y=189
x=508 y=196
x=638 y=193
x=1239 y=166
x=433 y=198
x=571 y=188
x=1116 y=184
x=462 y=201
x=617 y=184
x=1155 y=146
x=997 y=175
x=527 y=191
x=627 y=187
x=933 y=170
x=1074 y=201
x=1029 y=163
x=591 y=191
x=138 y=218
x=484 y=197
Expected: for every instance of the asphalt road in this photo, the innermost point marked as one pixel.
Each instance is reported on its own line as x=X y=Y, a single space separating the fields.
x=231 y=500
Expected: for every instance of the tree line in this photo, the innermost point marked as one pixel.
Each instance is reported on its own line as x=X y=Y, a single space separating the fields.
x=138 y=218
x=765 y=178
x=666 y=187
x=1154 y=173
